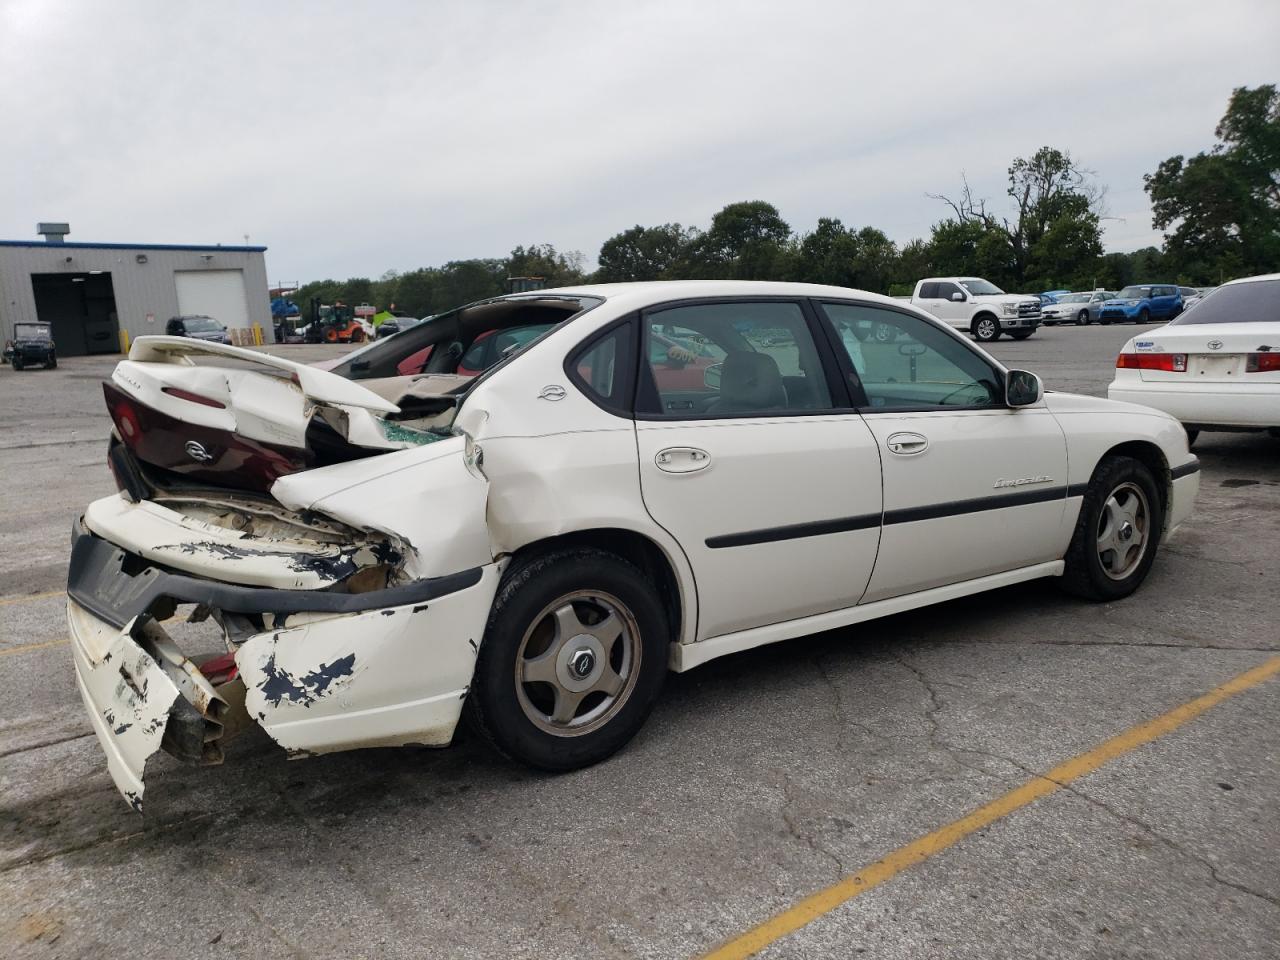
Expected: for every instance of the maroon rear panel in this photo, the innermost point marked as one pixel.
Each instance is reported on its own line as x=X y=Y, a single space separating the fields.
x=219 y=457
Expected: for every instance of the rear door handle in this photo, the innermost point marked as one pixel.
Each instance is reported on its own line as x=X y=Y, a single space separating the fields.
x=682 y=460
x=907 y=444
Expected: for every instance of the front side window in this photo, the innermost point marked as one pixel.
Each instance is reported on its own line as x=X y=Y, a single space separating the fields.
x=945 y=290
x=981 y=288
x=729 y=360
x=904 y=362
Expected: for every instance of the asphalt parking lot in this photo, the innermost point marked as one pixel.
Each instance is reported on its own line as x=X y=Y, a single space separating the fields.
x=760 y=779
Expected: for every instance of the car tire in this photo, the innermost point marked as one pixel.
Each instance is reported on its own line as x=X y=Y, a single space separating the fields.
x=1121 y=513
x=1144 y=315
x=1103 y=321
x=1082 y=318
x=17 y=363
x=541 y=708
x=1022 y=334
x=985 y=328
x=51 y=363
x=357 y=336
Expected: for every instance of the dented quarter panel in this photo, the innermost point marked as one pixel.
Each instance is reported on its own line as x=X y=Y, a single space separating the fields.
x=126 y=693
x=383 y=678
x=426 y=497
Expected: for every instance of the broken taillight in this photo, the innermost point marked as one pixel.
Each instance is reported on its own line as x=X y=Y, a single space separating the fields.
x=1168 y=362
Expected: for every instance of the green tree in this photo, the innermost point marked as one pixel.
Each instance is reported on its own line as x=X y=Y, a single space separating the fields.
x=645 y=253
x=746 y=241
x=1046 y=189
x=1224 y=205
x=543 y=260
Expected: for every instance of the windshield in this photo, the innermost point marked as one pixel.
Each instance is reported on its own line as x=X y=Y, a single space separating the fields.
x=1075 y=298
x=1134 y=293
x=980 y=288
x=201 y=325
x=31 y=331
x=1255 y=302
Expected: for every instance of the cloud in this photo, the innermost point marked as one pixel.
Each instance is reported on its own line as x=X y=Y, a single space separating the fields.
x=355 y=139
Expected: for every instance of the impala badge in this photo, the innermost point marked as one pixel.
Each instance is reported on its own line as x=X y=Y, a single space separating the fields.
x=1023 y=482
x=196 y=452
x=552 y=391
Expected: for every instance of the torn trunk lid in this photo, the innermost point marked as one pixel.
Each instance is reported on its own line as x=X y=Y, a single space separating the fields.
x=241 y=419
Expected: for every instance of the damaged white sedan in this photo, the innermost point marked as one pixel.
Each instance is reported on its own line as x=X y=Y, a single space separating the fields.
x=533 y=507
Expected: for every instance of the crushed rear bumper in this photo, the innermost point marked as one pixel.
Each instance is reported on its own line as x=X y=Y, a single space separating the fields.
x=318 y=670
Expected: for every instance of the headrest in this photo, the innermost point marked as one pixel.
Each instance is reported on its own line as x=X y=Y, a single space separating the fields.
x=750 y=381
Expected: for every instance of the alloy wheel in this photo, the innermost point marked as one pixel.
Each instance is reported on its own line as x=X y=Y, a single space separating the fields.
x=578 y=663
x=1124 y=530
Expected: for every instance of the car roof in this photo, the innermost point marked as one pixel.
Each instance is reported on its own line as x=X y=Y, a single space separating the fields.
x=1257 y=279
x=660 y=291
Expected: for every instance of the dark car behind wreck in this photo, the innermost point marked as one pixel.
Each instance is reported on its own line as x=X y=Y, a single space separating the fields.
x=32 y=345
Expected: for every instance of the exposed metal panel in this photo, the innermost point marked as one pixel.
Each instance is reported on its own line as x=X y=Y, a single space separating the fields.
x=143 y=279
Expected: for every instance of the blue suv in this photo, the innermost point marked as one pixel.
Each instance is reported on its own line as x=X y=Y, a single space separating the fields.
x=1142 y=303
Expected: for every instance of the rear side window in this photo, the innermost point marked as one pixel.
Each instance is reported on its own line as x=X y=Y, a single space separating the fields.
x=1254 y=302
x=604 y=368
x=928 y=291
x=745 y=359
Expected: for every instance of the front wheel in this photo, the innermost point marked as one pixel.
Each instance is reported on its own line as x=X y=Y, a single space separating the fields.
x=1022 y=334
x=1082 y=318
x=1117 y=532
x=1144 y=315
x=51 y=363
x=573 y=659
x=357 y=336
x=17 y=363
x=985 y=329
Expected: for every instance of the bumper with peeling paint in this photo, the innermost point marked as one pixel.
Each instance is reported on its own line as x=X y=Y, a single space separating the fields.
x=318 y=680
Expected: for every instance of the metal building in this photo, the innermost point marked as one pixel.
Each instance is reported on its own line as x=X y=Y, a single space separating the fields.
x=92 y=292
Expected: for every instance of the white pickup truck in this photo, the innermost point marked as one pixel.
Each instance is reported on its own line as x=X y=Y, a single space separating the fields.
x=982 y=308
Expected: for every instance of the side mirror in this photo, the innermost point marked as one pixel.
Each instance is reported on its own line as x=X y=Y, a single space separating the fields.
x=1021 y=389
x=958 y=297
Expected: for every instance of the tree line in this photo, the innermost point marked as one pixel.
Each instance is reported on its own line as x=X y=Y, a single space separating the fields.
x=1220 y=210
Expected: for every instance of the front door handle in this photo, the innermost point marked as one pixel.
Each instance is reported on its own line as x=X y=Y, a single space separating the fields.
x=682 y=460
x=907 y=444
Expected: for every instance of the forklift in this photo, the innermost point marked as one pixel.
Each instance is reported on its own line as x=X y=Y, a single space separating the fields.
x=334 y=323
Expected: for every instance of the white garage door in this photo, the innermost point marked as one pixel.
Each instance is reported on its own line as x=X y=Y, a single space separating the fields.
x=213 y=293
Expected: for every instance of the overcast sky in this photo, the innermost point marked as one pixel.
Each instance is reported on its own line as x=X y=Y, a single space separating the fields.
x=350 y=139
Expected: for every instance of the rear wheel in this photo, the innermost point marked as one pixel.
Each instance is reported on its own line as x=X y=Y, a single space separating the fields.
x=573 y=659
x=985 y=328
x=1117 y=532
x=1082 y=318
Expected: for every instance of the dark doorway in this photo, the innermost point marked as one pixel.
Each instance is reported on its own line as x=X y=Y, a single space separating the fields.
x=82 y=309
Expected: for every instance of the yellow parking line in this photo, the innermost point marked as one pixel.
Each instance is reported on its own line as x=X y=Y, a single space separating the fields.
x=5 y=601
x=27 y=647
x=824 y=901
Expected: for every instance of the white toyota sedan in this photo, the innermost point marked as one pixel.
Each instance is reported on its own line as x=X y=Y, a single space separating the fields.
x=1216 y=367
x=651 y=476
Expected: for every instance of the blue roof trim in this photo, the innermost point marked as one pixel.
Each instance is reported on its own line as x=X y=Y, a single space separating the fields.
x=130 y=246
